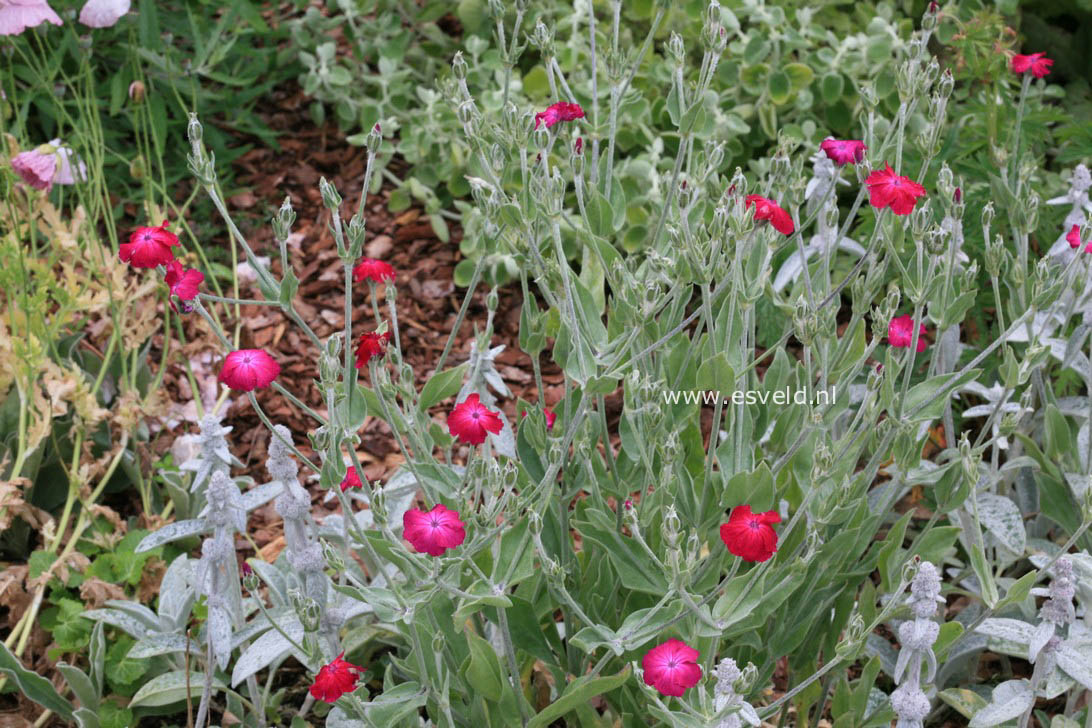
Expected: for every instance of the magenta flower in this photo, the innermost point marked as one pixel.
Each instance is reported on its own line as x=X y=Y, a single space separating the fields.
x=900 y=332
x=374 y=270
x=351 y=480
x=18 y=15
x=249 y=369
x=149 y=247
x=433 y=532
x=183 y=283
x=561 y=111
x=750 y=535
x=843 y=151
x=103 y=13
x=887 y=189
x=769 y=210
x=1073 y=237
x=1037 y=63
x=471 y=420
x=672 y=668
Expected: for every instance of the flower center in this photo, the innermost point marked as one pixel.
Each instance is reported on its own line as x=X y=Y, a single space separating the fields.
x=754 y=525
x=672 y=664
x=475 y=414
x=435 y=523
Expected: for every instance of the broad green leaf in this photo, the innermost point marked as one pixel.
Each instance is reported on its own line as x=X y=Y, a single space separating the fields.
x=170 y=687
x=442 y=385
x=33 y=685
x=578 y=692
x=482 y=668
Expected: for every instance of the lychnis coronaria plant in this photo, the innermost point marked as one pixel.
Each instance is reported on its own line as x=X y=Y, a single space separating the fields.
x=613 y=555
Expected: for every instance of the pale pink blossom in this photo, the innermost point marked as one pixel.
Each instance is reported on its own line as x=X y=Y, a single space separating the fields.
x=18 y=15
x=103 y=13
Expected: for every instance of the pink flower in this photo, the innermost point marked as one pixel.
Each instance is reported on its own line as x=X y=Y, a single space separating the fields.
x=843 y=151
x=336 y=679
x=769 y=210
x=561 y=111
x=887 y=189
x=103 y=13
x=900 y=332
x=36 y=168
x=433 y=532
x=471 y=419
x=183 y=283
x=371 y=269
x=370 y=346
x=672 y=667
x=1037 y=63
x=750 y=536
x=351 y=480
x=149 y=247
x=249 y=369
x=18 y=15
x=1073 y=237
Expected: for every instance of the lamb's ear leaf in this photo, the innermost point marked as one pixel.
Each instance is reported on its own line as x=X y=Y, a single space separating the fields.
x=33 y=685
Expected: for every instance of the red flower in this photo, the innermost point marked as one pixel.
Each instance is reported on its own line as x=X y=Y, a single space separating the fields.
x=336 y=679
x=149 y=247
x=183 y=283
x=376 y=270
x=672 y=667
x=1037 y=63
x=900 y=332
x=1073 y=237
x=887 y=189
x=843 y=151
x=471 y=419
x=750 y=536
x=769 y=210
x=561 y=111
x=433 y=532
x=249 y=369
x=351 y=480
x=371 y=345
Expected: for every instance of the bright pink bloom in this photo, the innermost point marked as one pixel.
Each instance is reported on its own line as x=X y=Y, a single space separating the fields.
x=36 y=168
x=336 y=679
x=887 y=189
x=247 y=569
x=372 y=269
x=371 y=345
x=672 y=668
x=249 y=369
x=1037 y=63
x=900 y=332
x=149 y=247
x=769 y=210
x=18 y=15
x=183 y=283
x=471 y=419
x=843 y=151
x=433 y=532
x=351 y=480
x=750 y=536
x=1073 y=237
x=103 y=13
x=561 y=111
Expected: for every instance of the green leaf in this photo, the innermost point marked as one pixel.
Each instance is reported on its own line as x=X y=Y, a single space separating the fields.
x=482 y=668
x=441 y=385
x=757 y=49
x=800 y=75
x=831 y=87
x=1018 y=591
x=81 y=685
x=715 y=374
x=577 y=693
x=170 y=687
x=929 y=395
x=33 y=685
x=779 y=86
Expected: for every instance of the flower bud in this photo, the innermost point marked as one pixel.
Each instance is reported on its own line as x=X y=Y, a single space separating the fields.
x=330 y=196
x=374 y=140
x=250 y=579
x=136 y=92
x=193 y=129
x=458 y=66
x=671 y=526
